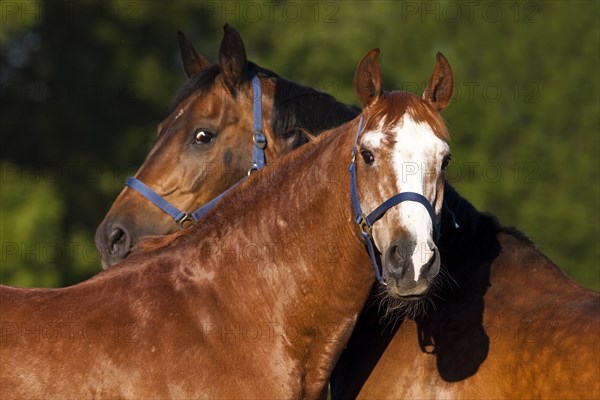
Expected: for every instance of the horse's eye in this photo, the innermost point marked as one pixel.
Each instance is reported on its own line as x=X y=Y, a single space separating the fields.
x=446 y=161
x=203 y=136
x=367 y=157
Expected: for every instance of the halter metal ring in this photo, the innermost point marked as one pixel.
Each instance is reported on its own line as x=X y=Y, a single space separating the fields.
x=260 y=139
x=187 y=217
x=252 y=169
x=365 y=227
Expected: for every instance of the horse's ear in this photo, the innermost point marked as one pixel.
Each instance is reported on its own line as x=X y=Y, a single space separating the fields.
x=439 y=90
x=193 y=62
x=367 y=80
x=232 y=56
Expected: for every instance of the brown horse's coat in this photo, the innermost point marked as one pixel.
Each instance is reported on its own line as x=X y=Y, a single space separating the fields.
x=257 y=301
x=253 y=302
x=481 y=331
x=509 y=324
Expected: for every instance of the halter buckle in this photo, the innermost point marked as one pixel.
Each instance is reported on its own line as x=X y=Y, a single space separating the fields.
x=364 y=226
x=187 y=218
x=260 y=140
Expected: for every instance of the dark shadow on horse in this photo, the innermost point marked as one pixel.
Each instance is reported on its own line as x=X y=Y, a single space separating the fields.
x=451 y=326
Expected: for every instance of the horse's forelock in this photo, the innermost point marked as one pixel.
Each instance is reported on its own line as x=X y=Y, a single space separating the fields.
x=392 y=107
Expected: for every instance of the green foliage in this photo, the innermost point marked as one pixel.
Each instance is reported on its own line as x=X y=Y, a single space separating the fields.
x=84 y=85
x=29 y=227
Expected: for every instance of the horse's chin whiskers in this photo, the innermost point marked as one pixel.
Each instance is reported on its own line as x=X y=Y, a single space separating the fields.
x=444 y=276
x=393 y=309
x=396 y=309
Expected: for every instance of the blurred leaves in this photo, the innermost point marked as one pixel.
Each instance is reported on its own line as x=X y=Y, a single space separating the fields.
x=31 y=217
x=83 y=86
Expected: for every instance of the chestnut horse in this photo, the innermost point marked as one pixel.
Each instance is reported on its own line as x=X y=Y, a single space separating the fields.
x=258 y=300
x=197 y=151
x=500 y=313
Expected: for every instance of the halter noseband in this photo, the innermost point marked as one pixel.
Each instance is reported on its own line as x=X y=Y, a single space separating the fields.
x=258 y=162
x=366 y=222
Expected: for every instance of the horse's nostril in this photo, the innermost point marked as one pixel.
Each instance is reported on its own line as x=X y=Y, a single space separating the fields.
x=114 y=242
x=402 y=254
x=431 y=260
x=397 y=252
x=116 y=239
x=427 y=270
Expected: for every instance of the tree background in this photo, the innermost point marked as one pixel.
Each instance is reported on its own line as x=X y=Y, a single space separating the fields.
x=83 y=86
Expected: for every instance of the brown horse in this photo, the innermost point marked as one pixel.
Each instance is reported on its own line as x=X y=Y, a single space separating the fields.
x=502 y=310
x=253 y=304
x=506 y=324
x=197 y=152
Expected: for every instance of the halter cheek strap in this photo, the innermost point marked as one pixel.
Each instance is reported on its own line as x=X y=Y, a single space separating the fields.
x=258 y=162
x=366 y=222
x=258 y=137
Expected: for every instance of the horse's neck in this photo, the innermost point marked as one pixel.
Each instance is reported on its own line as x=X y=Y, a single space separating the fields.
x=292 y=220
x=279 y=264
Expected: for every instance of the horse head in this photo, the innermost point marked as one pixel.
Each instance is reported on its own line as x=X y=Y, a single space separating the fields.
x=401 y=154
x=204 y=146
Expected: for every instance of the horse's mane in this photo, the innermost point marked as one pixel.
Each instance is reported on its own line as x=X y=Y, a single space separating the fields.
x=149 y=243
x=201 y=81
x=475 y=226
x=298 y=109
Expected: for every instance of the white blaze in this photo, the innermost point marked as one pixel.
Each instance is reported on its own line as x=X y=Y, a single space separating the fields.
x=417 y=148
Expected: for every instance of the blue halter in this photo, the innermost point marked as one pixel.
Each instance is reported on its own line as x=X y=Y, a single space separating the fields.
x=366 y=222
x=258 y=162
